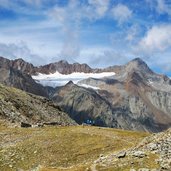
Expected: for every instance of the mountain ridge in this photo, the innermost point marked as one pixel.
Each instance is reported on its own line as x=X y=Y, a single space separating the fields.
x=133 y=97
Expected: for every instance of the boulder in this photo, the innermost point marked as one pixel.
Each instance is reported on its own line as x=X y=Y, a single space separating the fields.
x=121 y=154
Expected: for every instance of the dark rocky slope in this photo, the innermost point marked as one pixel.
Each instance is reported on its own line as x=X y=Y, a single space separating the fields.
x=17 y=74
x=18 y=106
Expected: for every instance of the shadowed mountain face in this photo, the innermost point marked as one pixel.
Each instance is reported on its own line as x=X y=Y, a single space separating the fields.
x=134 y=98
x=17 y=74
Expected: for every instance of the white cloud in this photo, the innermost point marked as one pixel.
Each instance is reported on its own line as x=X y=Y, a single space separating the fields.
x=101 y=56
x=21 y=50
x=121 y=13
x=163 y=7
x=133 y=33
x=157 y=39
x=101 y=6
x=70 y=18
x=70 y=26
x=59 y=14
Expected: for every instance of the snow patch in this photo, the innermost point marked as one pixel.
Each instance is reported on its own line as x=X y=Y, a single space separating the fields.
x=58 y=79
x=150 y=81
x=89 y=86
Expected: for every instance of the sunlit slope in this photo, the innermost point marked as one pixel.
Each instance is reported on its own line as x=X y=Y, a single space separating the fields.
x=56 y=148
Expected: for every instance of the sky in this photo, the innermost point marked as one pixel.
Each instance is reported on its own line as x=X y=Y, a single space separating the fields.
x=100 y=33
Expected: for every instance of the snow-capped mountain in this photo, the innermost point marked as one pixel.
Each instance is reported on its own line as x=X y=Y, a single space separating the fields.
x=130 y=96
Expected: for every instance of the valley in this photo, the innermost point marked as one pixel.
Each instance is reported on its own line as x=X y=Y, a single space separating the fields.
x=94 y=120
x=130 y=96
x=85 y=85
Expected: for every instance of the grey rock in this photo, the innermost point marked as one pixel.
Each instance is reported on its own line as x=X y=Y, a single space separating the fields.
x=139 y=154
x=152 y=146
x=121 y=154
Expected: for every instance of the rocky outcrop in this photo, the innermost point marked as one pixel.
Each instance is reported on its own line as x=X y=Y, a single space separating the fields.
x=154 y=152
x=19 y=107
x=159 y=144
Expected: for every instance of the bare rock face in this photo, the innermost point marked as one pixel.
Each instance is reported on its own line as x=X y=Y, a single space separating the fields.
x=64 y=67
x=132 y=99
x=17 y=64
x=23 y=66
x=82 y=105
x=17 y=74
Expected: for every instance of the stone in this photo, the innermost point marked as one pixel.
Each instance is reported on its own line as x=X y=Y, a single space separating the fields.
x=152 y=146
x=139 y=154
x=121 y=154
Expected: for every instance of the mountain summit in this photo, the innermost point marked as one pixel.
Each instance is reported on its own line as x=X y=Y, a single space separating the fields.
x=138 y=64
x=130 y=96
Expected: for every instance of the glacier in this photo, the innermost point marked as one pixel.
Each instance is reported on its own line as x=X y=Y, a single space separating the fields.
x=57 y=79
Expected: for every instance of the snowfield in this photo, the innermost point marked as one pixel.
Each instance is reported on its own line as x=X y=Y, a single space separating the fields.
x=58 y=79
x=89 y=86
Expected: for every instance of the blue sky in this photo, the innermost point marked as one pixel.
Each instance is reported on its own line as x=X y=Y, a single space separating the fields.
x=98 y=32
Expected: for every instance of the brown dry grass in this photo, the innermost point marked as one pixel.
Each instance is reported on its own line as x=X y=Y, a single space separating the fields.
x=62 y=148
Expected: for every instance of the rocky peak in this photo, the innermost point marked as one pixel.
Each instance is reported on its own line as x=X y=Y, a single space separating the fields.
x=62 y=62
x=23 y=66
x=4 y=63
x=70 y=83
x=138 y=64
x=17 y=64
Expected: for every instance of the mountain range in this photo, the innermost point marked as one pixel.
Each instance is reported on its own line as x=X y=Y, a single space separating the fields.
x=130 y=96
